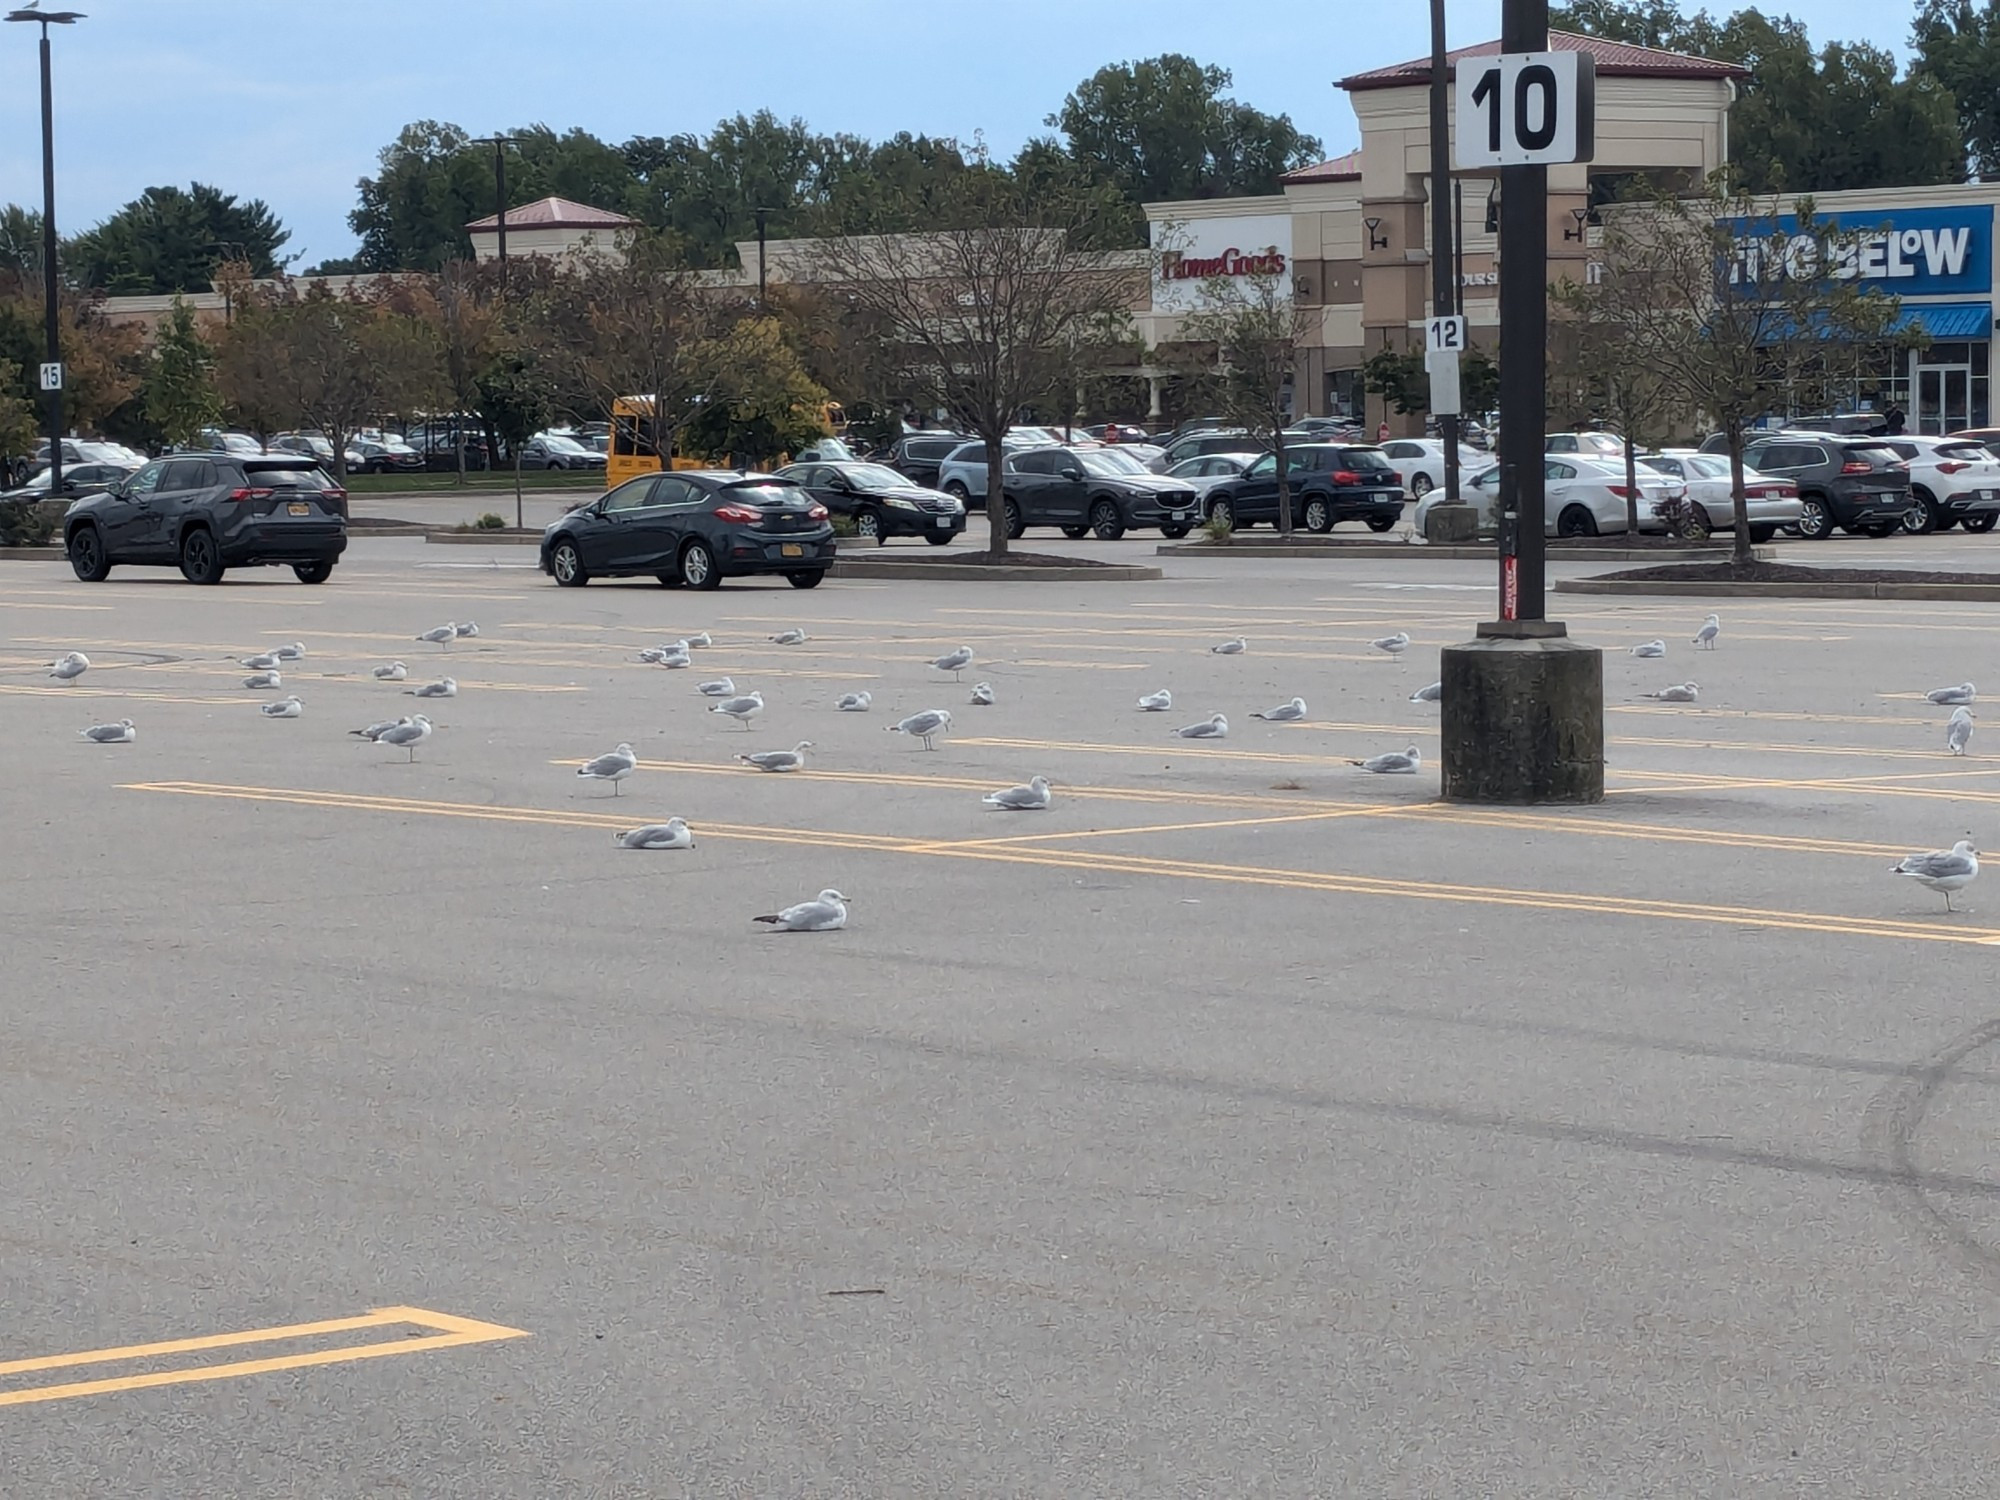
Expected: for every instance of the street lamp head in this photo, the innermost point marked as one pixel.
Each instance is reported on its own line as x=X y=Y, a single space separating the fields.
x=46 y=17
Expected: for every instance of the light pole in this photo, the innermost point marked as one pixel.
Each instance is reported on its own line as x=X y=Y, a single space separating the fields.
x=499 y=143
x=763 y=214
x=224 y=248
x=52 y=375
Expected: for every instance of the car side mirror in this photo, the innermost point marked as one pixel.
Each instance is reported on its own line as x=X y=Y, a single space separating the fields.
x=840 y=484
x=1072 y=472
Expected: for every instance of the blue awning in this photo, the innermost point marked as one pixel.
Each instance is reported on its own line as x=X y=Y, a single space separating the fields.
x=1947 y=320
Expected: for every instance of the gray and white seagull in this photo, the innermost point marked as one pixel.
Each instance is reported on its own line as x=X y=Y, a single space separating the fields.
x=672 y=834
x=1033 y=797
x=407 y=735
x=924 y=725
x=827 y=912
x=793 y=759
x=612 y=766
x=742 y=709
x=1942 y=870
x=1284 y=713
x=1394 y=763
x=953 y=662
x=1215 y=727
x=121 y=733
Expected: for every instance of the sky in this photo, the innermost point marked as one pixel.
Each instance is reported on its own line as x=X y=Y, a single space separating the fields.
x=291 y=100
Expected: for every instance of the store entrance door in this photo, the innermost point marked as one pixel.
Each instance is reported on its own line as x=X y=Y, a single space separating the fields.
x=1944 y=398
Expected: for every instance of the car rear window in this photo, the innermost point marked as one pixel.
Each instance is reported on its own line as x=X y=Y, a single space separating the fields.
x=286 y=471
x=765 y=491
x=1875 y=453
x=1364 y=458
x=934 y=447
x=1963 y=452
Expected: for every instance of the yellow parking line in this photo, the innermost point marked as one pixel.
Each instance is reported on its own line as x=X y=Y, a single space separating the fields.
x=449 y=1332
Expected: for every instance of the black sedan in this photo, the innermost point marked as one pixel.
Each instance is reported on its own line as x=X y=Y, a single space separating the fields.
x=1330 y=483
x=694 y=528
x=882 y=502
x=1099 y=490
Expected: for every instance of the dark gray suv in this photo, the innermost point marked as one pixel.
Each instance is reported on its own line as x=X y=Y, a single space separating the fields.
x=1855 y=484
x=209 y=512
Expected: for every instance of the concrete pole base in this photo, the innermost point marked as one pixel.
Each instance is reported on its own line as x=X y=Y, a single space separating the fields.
x=1523 y=720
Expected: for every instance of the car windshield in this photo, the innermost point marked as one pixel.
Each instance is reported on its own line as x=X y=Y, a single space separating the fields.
x=1708 y=468
x=1110 y=464
x=562 y=444
x=877 y=476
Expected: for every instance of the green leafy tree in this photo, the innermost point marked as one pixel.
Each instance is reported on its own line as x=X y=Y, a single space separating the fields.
x=1958 y=44
x=1594 y=364
x=170 y=240
x=17 y=413
x=1401 y=378
x=763 y=404
x=518 y=400
x=181 y=396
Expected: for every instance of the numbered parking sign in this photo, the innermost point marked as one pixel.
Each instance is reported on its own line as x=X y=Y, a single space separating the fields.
x=1445 y=335
x=1526 y=109
x=52 y=377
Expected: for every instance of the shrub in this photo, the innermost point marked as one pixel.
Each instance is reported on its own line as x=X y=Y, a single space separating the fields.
x=23 y=524
x=1217 y=528
x=490 y=522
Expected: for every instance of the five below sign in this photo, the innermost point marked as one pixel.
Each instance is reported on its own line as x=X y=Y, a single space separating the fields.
x=1176 y=265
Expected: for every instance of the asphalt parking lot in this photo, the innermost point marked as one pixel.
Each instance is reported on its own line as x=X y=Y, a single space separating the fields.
x=1240 y=1125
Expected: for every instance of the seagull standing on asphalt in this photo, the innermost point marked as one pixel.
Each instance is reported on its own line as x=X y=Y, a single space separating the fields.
x=409 y=734
x=613 y=766
x=1230 y=648
x=444 y=687
x=69 y=667
x=854 y=703
x=1215 y=728
x=1284 y=713
x=284 y=708
x=376 y=731
x=742 y=709
x=672 y=834
x=1033 y=797
x=1963 y=693
x=793 y=759
x=1157 y=703
x=1943 y=870
x=954 y=662
x=443 y=635
x=1650 y=650
x=121 y=733
x=826 y=913
x=395 y=671
x=1958 y=733
x=1704 y=638
x=1685 y=692
x=925 y=725
x=1394 y=645
x=1407 y=763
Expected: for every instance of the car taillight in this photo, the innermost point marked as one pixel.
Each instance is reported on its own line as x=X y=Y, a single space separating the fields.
x=1856 y=466
x=737 y=513
x=1952 y=466
x=1621 y=491
x=250 y=494
x=817 y=513
x=1346 y=476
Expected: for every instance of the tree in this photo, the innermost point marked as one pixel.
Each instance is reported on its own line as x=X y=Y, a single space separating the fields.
x=1162 y=129
x=459 y=305
x=763 y=403
x=1401 y=377
x=103 y=363
x=180 y=395
x=989 y=314
x=17 y=414
x=1731 y=301
x=1249 y=328
x=1594 y=357
x=518 y=402
x=1957 y=43
x=167 y=240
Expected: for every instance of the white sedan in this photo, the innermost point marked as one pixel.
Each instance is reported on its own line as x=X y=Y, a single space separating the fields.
x=1207 y=470
x=1419 y=462
x=1584 y=497
x=1771 y=501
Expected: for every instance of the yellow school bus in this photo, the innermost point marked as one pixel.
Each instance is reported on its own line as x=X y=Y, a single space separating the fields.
x=635 y=446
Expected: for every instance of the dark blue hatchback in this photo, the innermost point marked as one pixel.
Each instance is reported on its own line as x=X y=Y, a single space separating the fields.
x=694 y=528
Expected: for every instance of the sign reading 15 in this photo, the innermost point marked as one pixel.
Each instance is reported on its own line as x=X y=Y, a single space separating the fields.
x=1526 y=109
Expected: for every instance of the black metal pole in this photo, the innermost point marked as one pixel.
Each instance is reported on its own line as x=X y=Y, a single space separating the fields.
x=49 y=278
x=1524 y=257
x=1444 y=292
x=500 y=193
x=761 y=215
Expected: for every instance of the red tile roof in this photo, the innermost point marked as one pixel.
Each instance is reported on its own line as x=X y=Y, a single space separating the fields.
x=1340 y=169
x=1614 y=60
x=555 y=213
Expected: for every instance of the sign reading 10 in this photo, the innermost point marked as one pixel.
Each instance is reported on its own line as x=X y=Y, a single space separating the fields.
x=1526 y=109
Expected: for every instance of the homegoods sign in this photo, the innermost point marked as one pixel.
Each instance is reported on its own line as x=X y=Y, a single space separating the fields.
x=1176 y=265
x=1191 y=256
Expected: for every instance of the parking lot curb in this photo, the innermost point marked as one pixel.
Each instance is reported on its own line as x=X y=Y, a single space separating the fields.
x=33 y=554
x=1412 y=552
x=490 y=538
x=1000 y=573
x=1974 y=593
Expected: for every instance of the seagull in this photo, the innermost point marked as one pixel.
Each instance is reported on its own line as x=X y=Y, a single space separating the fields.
x=1686 y=692
x=1407 y=763
x=982 y=694
x=1710 y=629
x=792 y=637
x=954 y=662
x=121 y=733
x=675 y=660
x=394 y=672
x=1395 y=644
x=793 y=759
x=376 y=731
x=1943 y=870
x=469 y=628
x=700 y=638
x=409 y=733
x=721 y=687
x=1650 y=650
x=69 y=667
x=1958 y=733
x=854 y=703
x=825 y=913
x=444 y=687
x=932 y=721
x=1157 y=703
x=269 y=679
x=263 y=661
x=1963 y=693
x=1033 y=797
x=672 y=834
x=294 y=652
x=613 y=767
x=443 y=635
x=742 y=710
x=652 y=655
x=1216 y=728
x=284 y=708
x=1284 y=713
x=1432 y=694
x=1230 y=648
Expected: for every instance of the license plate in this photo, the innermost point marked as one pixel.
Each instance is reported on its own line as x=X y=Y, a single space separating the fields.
x=944 y=520
x=791 y=549
x=299 y=508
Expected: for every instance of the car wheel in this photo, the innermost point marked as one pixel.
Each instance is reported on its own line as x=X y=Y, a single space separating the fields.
x=1980 y=523
x=1576 y=520
x=1762 y=534
x=201 y=559
x=1010 y=518
x=1694 y=525
x=1318 y=516
x=1921 y=519
x=806 y=580
x=698 y=570
x=959 y=493
x=1815 y=520
x=936 y=540
x=1222 y=513
x=1076 y=533
x=1382 y=523
x=86 y=554
x=868 y=526
x=1175 y=532
x=566 y=563
x=313 y=572
x=1420 y=486
x=1106 y=522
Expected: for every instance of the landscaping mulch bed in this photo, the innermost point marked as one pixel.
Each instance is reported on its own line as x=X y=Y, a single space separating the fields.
x=1763 y=572
x=977 y=559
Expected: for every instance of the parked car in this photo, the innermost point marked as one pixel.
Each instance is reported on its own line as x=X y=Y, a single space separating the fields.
x=550 y=450
x=1207 y=470
x=1115 y=432
x=962 y=472
x=1770 y=501
x=826 y=450
x=1330 y=483
x=1855 y=484
x=916 y=455
x=89 y=451
x=383 y=455
x=1953 y=482
x=1586 y=444
x=882 y=502
x=1211 y=440
x=1419 y=462
x=1583 y=496
x=78 y=479
x=1085 y=490
x=693 y=528
x=313 y=445
x=437 y=440
x=209 y=512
